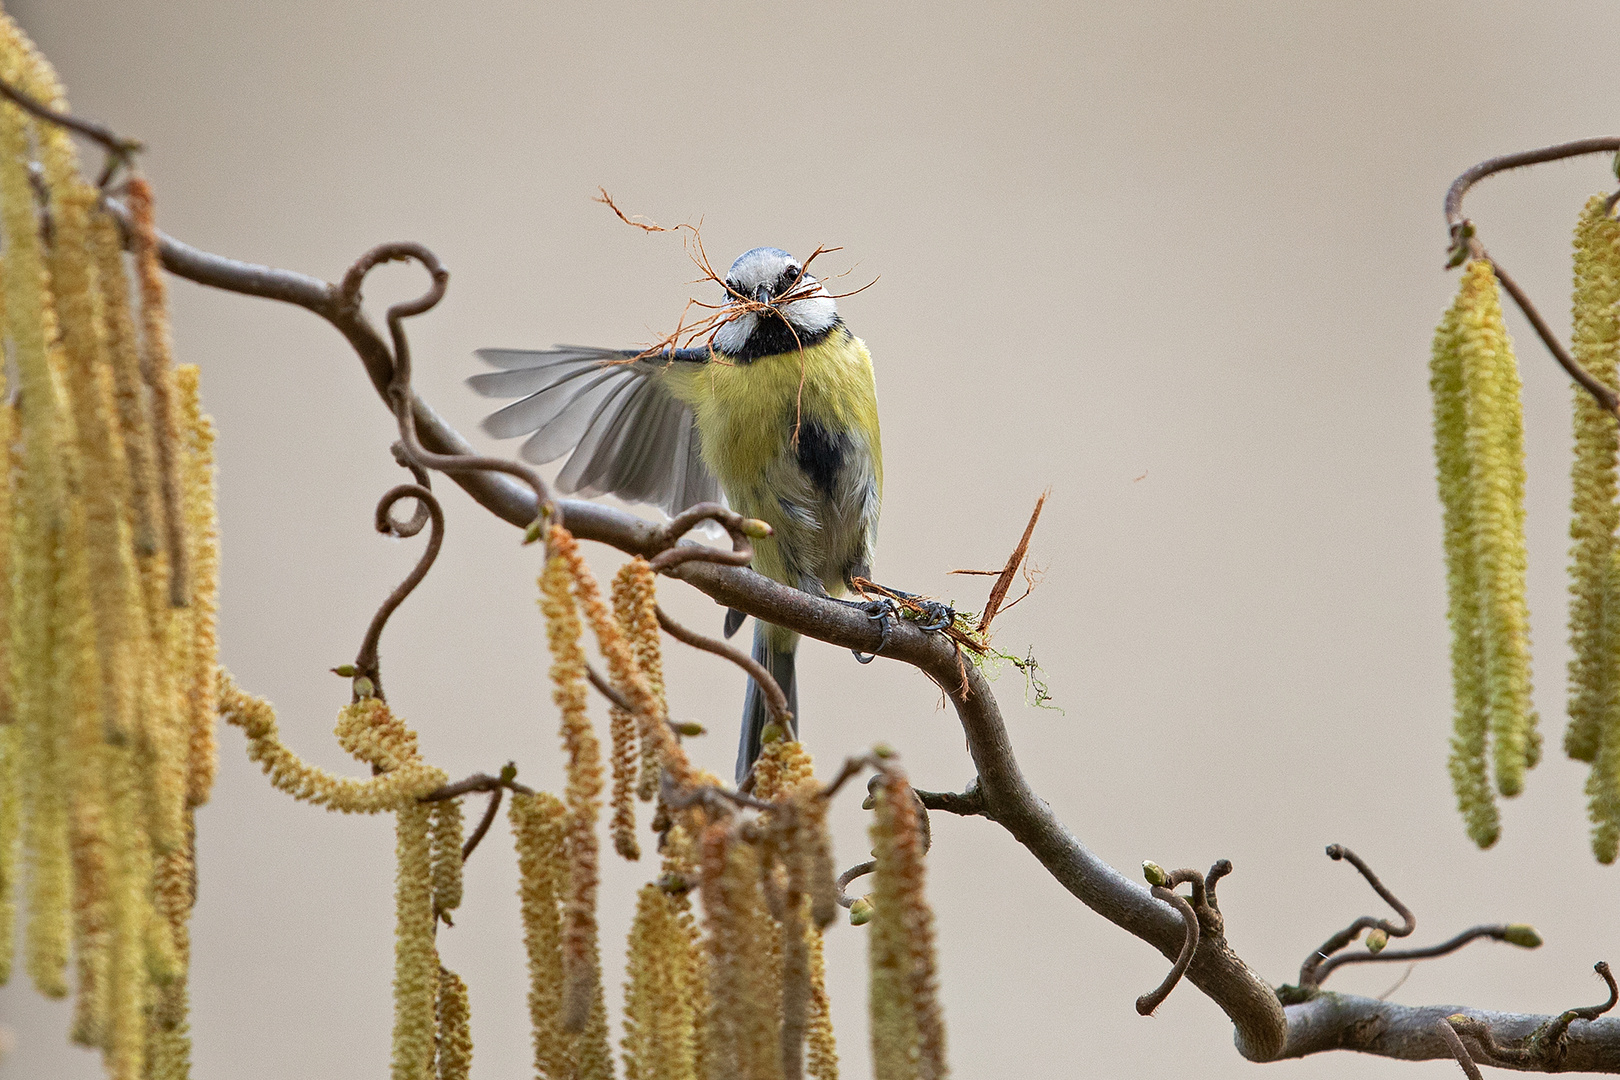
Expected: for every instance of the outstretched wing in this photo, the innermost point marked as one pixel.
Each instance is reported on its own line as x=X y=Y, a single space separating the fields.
x=629 y=435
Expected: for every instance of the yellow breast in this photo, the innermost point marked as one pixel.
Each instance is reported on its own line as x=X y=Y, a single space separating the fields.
x=746 y=413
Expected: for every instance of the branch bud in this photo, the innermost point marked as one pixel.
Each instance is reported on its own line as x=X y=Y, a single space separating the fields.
x=860 y=912
x=755 y=528
x=884 y=751
x=1523 y=935
x=691 y=728
x=364 y=687
x=1154 y=873
x=345 y=670
x=1377 y=938
x=532 y=533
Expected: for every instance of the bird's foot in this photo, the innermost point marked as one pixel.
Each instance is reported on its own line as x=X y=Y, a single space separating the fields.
x=930 y=616
x=880 y=610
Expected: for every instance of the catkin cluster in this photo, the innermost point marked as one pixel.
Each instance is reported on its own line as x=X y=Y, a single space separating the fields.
x=1593 y=734
x=1479 y=453
x=108 y=564
x=908 y=1029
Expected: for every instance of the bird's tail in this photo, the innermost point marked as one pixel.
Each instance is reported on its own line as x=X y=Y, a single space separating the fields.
x=773 y=648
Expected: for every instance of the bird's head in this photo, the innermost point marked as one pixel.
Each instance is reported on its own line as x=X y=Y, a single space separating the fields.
x=767 y=288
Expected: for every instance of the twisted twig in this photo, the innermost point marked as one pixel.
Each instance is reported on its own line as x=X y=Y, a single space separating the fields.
x=1464 y=244
x=1495 y=932
x=366 y=662
x=120 y=150
x=1310 y=971
x=775 y=700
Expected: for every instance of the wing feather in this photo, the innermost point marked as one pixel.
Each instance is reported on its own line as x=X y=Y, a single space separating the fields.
x=629 y=435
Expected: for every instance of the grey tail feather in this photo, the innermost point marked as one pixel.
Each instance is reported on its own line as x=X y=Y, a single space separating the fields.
x=734 y=619
x=756 y=713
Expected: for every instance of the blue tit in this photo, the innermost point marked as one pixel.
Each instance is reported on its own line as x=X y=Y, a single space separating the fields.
x=778 y=412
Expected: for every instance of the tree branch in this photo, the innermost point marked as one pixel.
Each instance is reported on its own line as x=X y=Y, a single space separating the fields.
x=1265 y=1031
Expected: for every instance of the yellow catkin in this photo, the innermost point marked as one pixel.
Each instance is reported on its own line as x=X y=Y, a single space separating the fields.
x=453 y=1037
x=628 y=751
x=157 y=373
x=1603 y=783
x=169 y=1036
x=199 y=684
x=820 y=1048
x=40 y=522
x=634 y=606
x=1469 y=776
x=1594 y=514
x=621 y=659
x=626 y=754
x=416 y=964
x=785 y=774
x=93 y=868
x=129 y=395
x=10 y=731
x=10 y=824
x=742 y=1027
x=408 y=779
x=539 y=831
x=1495 y=442
x=582 y=977
x=128 y=970
x=660 y=1016
x=908 y=1030
x=446 y=837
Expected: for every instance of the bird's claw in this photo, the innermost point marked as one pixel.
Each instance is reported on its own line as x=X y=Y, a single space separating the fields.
x=880 y=610
x=934 y=615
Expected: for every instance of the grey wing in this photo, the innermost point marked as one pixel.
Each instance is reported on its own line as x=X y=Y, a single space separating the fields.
x=629 y=436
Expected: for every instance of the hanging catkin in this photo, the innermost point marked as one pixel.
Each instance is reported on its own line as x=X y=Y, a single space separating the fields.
x=1479 y=451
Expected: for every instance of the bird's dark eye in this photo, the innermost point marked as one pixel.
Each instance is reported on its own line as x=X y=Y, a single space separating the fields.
x=790 y=277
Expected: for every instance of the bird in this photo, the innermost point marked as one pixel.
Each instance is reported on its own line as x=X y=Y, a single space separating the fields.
x=776 y=411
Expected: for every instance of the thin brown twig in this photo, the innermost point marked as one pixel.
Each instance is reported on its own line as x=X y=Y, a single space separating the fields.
x=859 y=870
x=1458 y=1050
x=366 y=661
x=1545 y=1048
x=1004 y=580
x=1464 y=243
x=1495 y=932
x=120 y=150
x=483 y=824
x=736 y=526
x=475 y=782
x=607 y=689
x=1310 y=971
x=1601 y=393
x=399 y=394
x=1189 y=917
x=775 y=699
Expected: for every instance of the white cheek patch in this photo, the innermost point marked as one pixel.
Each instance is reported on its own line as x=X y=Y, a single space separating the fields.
x=813 y=314
x=731 y=337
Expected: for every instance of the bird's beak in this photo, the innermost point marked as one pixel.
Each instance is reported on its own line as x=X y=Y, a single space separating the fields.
x=763 y=294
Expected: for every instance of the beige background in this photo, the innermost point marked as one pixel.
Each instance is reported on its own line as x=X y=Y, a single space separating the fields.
x=1178 y=261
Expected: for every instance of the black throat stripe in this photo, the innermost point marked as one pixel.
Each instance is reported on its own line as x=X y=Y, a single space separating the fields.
x=772 y=335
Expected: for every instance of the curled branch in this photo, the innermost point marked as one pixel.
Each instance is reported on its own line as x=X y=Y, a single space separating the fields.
x=398 y=391
x=737 y=526
x=484 y=823
x=1154 y=998
x=120 y=150
x=1547 y=1047
x=1310 y=972
x=366 y=662
x=1464 y=244
x=774 y=698
x=1448 y=1032
x=1495 y=932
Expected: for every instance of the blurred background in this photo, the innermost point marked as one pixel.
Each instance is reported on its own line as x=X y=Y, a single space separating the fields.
x=1178 y=262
